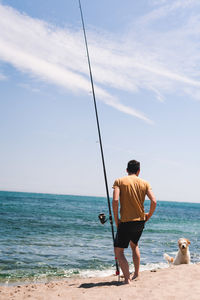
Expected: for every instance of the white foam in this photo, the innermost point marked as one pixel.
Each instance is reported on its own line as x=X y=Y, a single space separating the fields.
x=155 y=266
x=97 y=273
x=111 y=271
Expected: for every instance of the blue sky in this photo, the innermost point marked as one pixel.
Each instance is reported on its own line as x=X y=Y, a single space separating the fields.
x=145 y=58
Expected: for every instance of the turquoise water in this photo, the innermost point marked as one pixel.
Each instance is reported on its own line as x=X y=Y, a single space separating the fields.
x=45 y=236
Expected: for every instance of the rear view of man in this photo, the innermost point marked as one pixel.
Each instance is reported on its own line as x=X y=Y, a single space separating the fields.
x=131 y=191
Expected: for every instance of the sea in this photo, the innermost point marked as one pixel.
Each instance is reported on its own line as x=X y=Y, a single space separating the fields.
x=46 y=236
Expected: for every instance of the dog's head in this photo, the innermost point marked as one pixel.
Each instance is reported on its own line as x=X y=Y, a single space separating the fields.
x=183 y=244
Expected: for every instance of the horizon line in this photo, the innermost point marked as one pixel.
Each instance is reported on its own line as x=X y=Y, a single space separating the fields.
x=81 y=195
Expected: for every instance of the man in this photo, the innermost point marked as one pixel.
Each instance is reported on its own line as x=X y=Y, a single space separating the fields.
x=131 y=190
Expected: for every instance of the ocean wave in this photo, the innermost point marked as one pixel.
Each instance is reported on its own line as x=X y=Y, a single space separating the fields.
x=111 y=271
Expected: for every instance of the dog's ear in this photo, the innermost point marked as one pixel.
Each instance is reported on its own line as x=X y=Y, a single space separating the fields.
x=188 y=242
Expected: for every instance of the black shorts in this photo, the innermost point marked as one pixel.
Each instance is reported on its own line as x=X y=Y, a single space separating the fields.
x=128 y=231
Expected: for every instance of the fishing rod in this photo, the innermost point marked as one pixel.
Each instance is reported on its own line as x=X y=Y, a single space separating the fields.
x=99 y=134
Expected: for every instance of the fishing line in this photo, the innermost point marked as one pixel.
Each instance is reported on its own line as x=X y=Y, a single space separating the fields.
x=99 y=132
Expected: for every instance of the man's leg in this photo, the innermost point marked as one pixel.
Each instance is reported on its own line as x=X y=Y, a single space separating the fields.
x=136 y=259
x=119 y=253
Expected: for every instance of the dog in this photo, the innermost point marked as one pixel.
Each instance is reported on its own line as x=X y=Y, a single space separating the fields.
x=183 y=254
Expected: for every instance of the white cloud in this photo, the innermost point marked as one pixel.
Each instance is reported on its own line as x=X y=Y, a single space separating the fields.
x=166 y=7
x=2 y=77
x=29 y=87
x=163 y=61
x=52 y=54
x=170 y=48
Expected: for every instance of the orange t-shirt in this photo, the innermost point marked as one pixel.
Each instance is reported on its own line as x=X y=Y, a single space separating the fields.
x=132 y=195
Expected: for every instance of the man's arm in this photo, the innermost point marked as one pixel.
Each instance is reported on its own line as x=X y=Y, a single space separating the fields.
x=115 y=204
x=152 y=198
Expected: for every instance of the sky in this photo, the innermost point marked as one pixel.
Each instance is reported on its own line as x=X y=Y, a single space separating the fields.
x=145 y=59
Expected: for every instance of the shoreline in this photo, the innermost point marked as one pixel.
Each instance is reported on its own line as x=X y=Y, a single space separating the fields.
x=175 y=282
x=84 y=274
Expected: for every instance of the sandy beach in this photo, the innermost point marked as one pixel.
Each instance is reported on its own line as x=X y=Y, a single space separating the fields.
x=176 y=282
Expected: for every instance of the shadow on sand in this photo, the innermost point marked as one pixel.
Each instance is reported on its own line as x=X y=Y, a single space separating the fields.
x=107 y=283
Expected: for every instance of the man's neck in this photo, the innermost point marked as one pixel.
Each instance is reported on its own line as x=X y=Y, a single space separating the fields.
x=136 y=174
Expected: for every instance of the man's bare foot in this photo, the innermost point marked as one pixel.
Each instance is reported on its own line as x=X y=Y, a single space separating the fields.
x=135 y=277
x=127 y=281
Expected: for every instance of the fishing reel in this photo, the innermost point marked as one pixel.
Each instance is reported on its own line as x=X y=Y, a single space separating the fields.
x=102 y=218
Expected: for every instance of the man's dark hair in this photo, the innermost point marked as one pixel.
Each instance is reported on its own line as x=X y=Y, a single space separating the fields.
x=133 y=166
